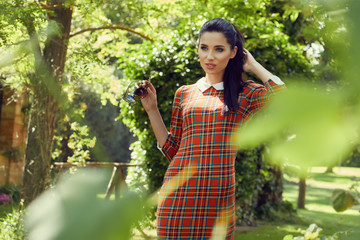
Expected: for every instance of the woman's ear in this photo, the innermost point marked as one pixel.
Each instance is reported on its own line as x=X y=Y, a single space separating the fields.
x=233 y=52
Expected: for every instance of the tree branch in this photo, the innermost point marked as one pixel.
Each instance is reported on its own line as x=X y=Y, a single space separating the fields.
x=50 y=7
x=20 y=42
x=114 y=27
x=29 y=24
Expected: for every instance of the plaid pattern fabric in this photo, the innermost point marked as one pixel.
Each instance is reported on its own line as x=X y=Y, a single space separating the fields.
x=197 y=200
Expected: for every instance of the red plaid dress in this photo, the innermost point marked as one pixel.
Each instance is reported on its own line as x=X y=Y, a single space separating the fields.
x=197 y=200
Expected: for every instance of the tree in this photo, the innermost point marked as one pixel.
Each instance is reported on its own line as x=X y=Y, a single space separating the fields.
x=47 y=74
x=44 y=103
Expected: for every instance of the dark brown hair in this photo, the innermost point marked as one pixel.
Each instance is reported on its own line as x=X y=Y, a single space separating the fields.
x=233 y=76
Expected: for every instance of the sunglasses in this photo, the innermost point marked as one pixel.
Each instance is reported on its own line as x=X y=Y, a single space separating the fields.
x=135 y=90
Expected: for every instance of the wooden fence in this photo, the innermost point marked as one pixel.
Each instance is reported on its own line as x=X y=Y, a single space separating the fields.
x=117 y=180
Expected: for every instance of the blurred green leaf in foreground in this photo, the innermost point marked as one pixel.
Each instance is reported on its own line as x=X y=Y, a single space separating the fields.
x=305 y=127
x=72 y=210
x=310 y=125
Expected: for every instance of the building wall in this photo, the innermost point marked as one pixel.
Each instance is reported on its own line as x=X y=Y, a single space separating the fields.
x=12 y=138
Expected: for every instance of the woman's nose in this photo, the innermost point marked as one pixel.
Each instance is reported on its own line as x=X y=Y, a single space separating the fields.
x=210 y=55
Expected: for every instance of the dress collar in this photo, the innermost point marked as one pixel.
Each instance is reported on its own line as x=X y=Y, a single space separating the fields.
x=203 y=86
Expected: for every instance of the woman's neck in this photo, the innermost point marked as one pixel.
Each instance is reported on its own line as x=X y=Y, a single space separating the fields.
x=213 y=79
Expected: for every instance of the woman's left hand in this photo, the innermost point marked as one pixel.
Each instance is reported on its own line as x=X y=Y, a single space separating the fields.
x=254 y=67
x=249 y=62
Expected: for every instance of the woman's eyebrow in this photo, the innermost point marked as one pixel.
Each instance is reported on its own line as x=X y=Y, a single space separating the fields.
x=203 y=44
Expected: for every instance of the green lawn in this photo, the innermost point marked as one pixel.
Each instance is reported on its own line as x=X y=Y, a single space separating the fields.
x=318 y=207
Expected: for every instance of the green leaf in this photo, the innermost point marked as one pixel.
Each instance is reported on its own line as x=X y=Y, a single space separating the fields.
x=342 y=200
x=288 y=237
x=72 y=210
x=303 y=126
x=294 y=15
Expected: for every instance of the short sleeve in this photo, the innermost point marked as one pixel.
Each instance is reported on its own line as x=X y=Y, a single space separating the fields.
x=172 y=143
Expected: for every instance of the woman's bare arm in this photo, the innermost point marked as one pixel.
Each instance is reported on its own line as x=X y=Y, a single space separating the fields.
x=149 y=103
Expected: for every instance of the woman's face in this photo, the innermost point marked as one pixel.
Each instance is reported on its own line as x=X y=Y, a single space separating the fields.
x=215 y=53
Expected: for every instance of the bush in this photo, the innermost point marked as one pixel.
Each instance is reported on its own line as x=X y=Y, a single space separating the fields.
x=12 y=191
x=258 y=189
x=353 y=160
x=249 y=183
x=12 y=225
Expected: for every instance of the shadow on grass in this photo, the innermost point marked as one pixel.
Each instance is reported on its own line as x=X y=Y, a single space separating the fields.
x=314 y=195
x=330 y=177
x=331 y=222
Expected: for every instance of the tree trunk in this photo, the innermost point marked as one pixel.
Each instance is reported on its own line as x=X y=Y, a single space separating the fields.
x=330 y=169
x=272 y=190
x=46 y=86
x=302 y=193
x=277 y=194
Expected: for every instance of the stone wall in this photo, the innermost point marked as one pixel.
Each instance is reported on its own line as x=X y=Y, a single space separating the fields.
x=12 y=137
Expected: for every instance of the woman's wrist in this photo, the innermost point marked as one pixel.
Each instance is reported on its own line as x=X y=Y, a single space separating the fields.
x=152 y=110
x=253 y=66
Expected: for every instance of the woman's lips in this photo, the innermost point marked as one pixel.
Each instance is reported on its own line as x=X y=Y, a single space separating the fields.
x=210 y=66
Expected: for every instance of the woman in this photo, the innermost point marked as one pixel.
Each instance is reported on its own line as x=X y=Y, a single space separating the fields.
x=204 y=117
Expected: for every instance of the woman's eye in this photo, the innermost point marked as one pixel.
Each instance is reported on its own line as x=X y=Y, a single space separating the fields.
x=203 y=48
x=219 y=49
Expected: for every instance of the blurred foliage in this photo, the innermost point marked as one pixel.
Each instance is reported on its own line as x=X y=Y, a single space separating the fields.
x=315 y=124
x=318 y=130
x=344 y=199
x=73 y=210
x=313 y=232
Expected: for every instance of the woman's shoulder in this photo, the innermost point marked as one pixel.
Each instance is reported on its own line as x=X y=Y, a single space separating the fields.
x=251 y=86
x=186 y=88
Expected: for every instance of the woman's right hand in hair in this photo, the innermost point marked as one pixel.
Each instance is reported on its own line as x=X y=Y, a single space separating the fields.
x=251 y=65
x=149 y=102
x=250 y=62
